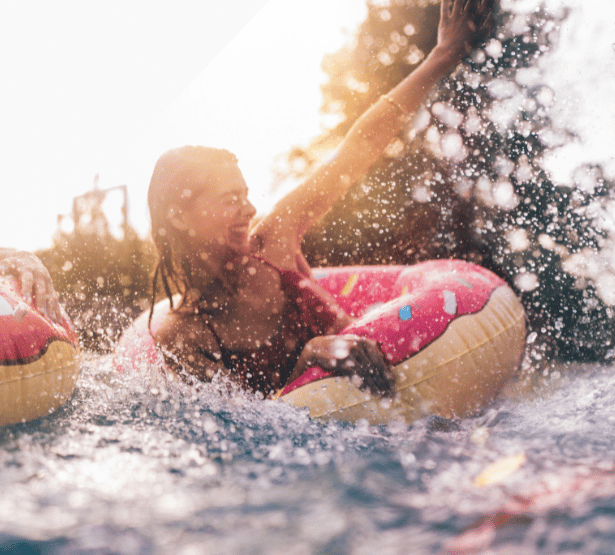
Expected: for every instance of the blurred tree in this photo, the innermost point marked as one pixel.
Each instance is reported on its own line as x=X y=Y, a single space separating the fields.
x=103 y=280
x=464 y=179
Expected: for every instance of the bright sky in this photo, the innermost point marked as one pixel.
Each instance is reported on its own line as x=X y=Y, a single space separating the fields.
x=104 y=88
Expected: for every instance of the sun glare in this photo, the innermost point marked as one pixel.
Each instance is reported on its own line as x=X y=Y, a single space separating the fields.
x=261 y=95
x=125 y=91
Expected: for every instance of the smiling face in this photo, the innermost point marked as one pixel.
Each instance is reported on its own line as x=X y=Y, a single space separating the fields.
x=199 y=212
x=215 y=210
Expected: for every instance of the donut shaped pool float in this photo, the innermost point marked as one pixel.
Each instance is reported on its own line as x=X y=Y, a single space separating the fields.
x=39 y=359
x=453 y=333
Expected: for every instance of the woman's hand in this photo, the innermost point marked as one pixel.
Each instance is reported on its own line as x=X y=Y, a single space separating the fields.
x=349 y=355
x=463 y=25
x=35 y=281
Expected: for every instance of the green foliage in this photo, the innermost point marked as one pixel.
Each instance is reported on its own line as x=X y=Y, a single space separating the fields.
x=464 y=179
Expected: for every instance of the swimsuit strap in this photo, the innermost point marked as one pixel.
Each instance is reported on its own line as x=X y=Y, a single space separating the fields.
x=305 y=315
x=226 y=353
x=213 y=331
x=270 y=264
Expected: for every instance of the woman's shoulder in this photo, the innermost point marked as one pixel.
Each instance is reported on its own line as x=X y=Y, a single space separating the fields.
x=181 y=328
x=188 y=346
x=278 y=251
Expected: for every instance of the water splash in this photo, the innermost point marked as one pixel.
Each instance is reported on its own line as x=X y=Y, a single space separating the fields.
x=136 y=465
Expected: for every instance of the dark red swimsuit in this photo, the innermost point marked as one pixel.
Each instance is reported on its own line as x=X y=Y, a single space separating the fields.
x=306 y=315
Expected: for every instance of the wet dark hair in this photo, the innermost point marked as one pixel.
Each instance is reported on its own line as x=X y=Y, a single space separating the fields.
x=172 y=182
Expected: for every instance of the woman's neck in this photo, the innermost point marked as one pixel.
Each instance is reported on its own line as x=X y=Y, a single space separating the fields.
x=212 y=274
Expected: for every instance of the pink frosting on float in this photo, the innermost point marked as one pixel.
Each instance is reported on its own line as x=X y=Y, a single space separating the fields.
x=404 y=308
x=310 y=375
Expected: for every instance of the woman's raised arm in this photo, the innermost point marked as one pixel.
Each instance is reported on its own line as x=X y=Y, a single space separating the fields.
x=463 y=24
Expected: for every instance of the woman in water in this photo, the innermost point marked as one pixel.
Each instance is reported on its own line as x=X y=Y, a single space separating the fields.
x=249 y=306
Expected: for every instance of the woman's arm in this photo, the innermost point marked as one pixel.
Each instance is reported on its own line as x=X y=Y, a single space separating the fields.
x=460 y=29
x=356 y=357
x=34 y=279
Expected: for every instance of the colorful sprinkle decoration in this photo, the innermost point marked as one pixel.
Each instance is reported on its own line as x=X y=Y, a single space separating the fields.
x=405 y=313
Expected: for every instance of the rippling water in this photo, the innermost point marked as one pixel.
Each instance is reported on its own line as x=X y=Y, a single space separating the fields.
x=130 y=468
